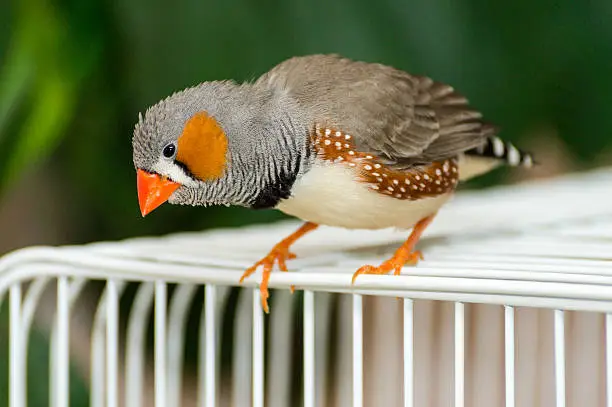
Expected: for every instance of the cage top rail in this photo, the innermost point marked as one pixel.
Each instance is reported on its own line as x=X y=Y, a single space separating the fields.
x=543 y=243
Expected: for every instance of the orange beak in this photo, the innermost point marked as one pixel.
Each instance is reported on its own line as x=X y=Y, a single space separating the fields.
x=153 y=190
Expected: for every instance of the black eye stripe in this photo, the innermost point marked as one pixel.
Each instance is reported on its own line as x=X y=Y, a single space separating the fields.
x=169 y=151
x=186 y=170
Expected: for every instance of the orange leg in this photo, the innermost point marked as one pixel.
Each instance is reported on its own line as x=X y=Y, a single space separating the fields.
x=279 y=254
x=404 y=255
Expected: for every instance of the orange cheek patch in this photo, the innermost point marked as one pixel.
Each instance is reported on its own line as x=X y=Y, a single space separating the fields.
x=203 y=147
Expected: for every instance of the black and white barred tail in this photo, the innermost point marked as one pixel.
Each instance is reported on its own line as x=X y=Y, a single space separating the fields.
x=496 y=148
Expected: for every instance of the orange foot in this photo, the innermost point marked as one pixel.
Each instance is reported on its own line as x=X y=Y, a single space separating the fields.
x=399 y=260
x=404 y=255
x=279 y=254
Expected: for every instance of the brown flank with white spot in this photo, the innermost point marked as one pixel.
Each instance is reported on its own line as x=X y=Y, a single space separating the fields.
x=418 y=182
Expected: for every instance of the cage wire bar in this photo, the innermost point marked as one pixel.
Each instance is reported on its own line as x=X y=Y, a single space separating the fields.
x=509 y=355
x=408 y=353
x=608 y=360
x=526 y=262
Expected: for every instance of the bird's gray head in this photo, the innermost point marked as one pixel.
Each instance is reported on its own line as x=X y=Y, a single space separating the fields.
x=211 y=144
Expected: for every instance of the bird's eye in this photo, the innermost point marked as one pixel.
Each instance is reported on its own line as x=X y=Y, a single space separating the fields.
x=169 y=151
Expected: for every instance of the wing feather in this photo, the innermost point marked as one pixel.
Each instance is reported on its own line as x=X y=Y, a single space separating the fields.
x=403 y=118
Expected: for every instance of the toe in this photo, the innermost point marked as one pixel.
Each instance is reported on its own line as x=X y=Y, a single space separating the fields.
x=414 y=258
x=282 y=265
x=264 y=300
x=398 y=270
x=248 y=272
x=362 y=270
x=357 y=273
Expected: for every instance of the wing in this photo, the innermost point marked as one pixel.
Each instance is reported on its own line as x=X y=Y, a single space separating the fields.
x=399 y=117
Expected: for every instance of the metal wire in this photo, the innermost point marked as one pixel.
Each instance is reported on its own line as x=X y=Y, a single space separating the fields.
x=408 y=353
x=509 y=340
x=98 y=348
x=258 y=351
x=459 y=354
x=357 y=351
x=309 y=349
x=559 y=358
x=74 y=289
x=161 y=297
x=608 y=360
x=210 y=380
x=16 y=367
x=62 y=354
x=135 y=346
x=112 y=343
x=177 y=323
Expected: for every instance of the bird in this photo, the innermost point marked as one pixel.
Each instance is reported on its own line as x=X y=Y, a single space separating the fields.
x=324 y=138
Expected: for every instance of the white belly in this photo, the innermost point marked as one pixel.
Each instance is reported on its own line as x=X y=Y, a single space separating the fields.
x=330 y=195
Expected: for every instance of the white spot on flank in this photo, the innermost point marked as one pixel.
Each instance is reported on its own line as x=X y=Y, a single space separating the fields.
x=407 y=181
x=426 y=177
x=327 y=142
x=347 y=137
x=367 y=167
x=351 y=152
x=346 y=146
x=327 y=132
x=396 y=182
x=369 y=157
x=379 y=179
x=375 y=174
x=417 y=177
x=398 y=195
x=438 y=172
x=338 y=144
x=338 y=134
x=376 y=166
x=390 y=189
x=351 y=164
x=402 y=189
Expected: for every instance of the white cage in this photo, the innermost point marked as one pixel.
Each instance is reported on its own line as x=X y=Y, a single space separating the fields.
x=543 y=246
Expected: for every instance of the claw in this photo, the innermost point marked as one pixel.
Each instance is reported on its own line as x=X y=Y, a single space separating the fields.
x=396 y=263
x=404 y=255
x=278 y=255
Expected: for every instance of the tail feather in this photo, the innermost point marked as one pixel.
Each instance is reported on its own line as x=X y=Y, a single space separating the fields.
x=498 y=149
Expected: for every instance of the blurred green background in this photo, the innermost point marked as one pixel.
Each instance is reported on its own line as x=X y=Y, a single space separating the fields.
x=75 y=73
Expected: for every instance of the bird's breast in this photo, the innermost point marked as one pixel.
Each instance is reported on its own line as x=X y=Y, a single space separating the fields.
x=333 y=195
